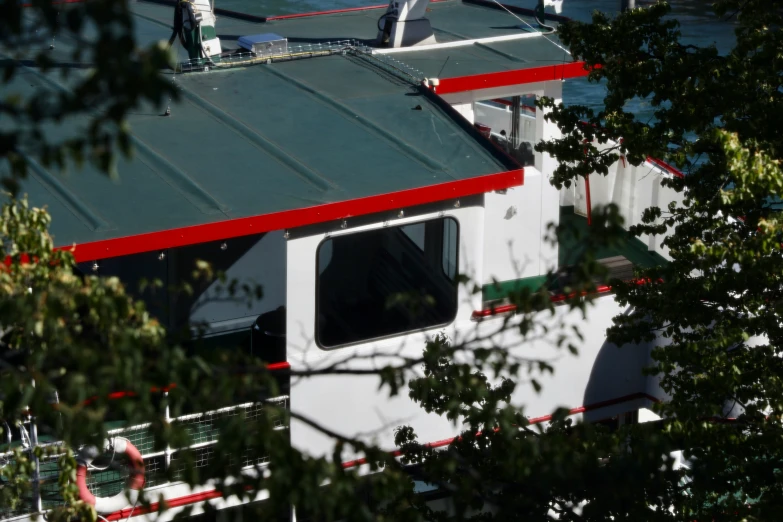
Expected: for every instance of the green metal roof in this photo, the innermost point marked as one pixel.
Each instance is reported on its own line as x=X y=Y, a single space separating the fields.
x=272 y=138
x=452 y=20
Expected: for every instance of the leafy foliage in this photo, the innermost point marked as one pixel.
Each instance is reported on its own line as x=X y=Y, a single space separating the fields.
x=714 y=307
x=44 y=49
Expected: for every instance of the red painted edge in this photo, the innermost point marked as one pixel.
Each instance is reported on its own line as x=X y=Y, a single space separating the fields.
x=662 y=164
x=284 y=365
x=222 y=230
x=330 y=12
x=172 y=503
x=557 y=298
x=59 y=2
x=516 y=77
x=535 y=420
x=334 y=11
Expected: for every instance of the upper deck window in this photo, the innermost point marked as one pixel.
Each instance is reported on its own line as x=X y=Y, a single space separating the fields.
x=514 y=133
x=386 y=282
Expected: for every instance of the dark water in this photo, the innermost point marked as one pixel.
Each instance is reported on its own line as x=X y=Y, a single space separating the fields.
x=699 y=26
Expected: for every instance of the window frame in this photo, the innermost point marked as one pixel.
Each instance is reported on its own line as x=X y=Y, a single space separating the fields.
x=329 y=237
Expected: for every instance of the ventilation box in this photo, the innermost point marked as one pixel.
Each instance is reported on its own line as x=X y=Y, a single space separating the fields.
x=267 y=44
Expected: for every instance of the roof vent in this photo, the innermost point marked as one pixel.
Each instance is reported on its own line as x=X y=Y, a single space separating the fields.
x=267 y=44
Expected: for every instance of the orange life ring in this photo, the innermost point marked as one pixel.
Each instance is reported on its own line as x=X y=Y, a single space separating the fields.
x=123 y=499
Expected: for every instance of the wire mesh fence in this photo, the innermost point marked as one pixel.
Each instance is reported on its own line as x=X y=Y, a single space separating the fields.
x=310 y=50
x=108 y=475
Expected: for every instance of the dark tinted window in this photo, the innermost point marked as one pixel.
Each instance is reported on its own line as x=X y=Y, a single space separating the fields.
x=387 y=281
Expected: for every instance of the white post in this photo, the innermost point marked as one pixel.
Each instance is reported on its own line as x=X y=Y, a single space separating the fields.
x=167 y=451
x=550 y=196
x=36 y=493
x=627 y=4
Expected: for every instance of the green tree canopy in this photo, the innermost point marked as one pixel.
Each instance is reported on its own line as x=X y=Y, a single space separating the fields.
x=716 y=305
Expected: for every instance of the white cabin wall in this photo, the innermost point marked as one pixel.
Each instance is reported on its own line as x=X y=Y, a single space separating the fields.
x=512 y=239
x=633 y=189
x=600 y=371
x=352 y=404
x=517 y=222
x=665 y=195
x=649 y=192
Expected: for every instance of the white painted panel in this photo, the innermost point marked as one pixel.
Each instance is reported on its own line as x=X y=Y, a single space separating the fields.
x=536 y=88
x=512 y=233
x=550 y=208
x=353 y=405
x=666 y=195
x=602 y=187
x=600 y=372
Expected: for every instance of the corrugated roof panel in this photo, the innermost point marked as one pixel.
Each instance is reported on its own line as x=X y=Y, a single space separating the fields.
x=287 y=136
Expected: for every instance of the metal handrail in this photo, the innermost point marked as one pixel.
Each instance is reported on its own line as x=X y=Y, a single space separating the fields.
x=35 y=502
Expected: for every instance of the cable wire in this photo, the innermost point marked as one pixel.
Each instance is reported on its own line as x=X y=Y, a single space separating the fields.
x=533 y=28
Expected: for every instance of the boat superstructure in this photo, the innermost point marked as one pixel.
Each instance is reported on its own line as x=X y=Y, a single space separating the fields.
x=343 y=168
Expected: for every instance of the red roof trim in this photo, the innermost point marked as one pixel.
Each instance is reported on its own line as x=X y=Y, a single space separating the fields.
x=58 y=2
x=231 y=228
x=516 y=77
x=333 y=11
x=320 y=13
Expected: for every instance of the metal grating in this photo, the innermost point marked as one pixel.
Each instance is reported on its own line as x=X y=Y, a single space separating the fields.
x=139 y=436
x=311 y=50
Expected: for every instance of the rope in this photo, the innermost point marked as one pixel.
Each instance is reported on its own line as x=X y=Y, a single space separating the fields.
x=132 y=510
x=533 y=28
x=96 y=468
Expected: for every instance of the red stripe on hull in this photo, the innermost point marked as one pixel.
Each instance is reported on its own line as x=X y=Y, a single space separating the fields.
x=231 y=228
x=534 y=420
x=508 y=78
x=172 y=503
x=213 y=494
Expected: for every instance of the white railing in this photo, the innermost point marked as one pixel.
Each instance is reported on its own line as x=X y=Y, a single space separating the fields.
x=203 y=429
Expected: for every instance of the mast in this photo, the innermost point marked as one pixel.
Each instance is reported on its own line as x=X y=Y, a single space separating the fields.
x=403 y=24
